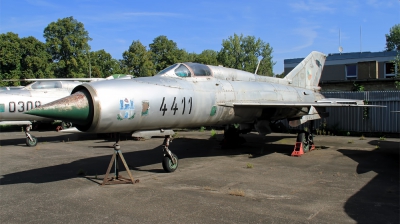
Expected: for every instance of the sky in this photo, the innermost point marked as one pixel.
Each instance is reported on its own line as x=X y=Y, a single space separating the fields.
x=293 y=28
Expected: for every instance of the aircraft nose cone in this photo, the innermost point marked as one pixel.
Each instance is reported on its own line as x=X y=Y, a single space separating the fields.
x=74 y=108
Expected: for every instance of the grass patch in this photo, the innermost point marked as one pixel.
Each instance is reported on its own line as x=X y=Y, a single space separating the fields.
x=362 y=137
x=213 y=133
x=237 y=192
x=249 y=165
x=81 y=172
x=207 y=188
x=202 y=128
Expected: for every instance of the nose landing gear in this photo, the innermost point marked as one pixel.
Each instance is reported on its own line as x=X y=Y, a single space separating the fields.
x=170 y=160
x=31 y=141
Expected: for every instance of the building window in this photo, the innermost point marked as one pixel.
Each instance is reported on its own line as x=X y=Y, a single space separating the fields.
x=351 y=72
x=390 y=70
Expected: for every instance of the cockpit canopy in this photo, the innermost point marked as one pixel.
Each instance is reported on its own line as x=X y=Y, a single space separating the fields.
x=187 y=69
x=46 y=85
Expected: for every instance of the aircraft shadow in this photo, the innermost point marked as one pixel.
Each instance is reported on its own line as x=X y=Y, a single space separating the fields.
x=378 y=200
x=93 y=166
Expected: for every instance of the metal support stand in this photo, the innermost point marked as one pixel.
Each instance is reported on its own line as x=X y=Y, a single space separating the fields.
x=118 y=179
x=298 y=149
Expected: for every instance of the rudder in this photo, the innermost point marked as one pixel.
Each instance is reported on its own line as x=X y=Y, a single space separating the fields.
x=308 y=72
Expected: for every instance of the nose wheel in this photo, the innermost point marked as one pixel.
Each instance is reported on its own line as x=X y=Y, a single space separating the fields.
x=31 y=141
x=168 y=163
x=170 y=160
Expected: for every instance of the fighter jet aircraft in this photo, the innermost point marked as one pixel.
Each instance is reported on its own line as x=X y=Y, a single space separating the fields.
x=15 y=101
x=188 y=95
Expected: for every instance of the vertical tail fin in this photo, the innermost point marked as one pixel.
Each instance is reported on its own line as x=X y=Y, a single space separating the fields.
x=308 y=72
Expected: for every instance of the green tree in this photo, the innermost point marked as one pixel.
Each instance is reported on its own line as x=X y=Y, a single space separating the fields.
x=208 y=57
x=164 y=52
x=137 y=60
x=187 y=57
x=393 y=38
x=266 y=62
x=396 y=61
x=23 y=58
x=280 y=75
x=35 y=61
x=242 y=53
x=103 y=65
x=67 y=43
x=10 y=58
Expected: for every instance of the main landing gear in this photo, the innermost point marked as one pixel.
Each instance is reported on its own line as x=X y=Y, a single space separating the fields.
x=232 y=137
x=66 y=125
x=304 y=141
x=30 y=139
x=170 y=160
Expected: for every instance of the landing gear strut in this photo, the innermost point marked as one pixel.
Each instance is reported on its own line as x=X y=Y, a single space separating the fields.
x=304 y=141
x=30 y=139
x=232 y=138
x=170 y=160
x=306 y=138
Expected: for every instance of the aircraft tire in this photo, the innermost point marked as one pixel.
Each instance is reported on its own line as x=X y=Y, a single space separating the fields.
x=167 y=164
x=301 y=137
x=31 y=143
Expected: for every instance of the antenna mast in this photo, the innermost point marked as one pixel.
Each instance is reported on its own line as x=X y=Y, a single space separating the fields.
x=340 y=47
x=360 y=41
x=258 y=64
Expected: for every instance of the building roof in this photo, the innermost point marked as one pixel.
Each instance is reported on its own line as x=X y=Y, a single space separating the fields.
x=346 y=56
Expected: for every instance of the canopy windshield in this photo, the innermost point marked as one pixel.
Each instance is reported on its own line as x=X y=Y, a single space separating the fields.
x=46 y=85
x=199 y=69
x=167 y=69
x=187 y=69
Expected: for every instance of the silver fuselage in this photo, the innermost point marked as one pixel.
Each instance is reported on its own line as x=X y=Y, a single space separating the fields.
x=168 y=101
